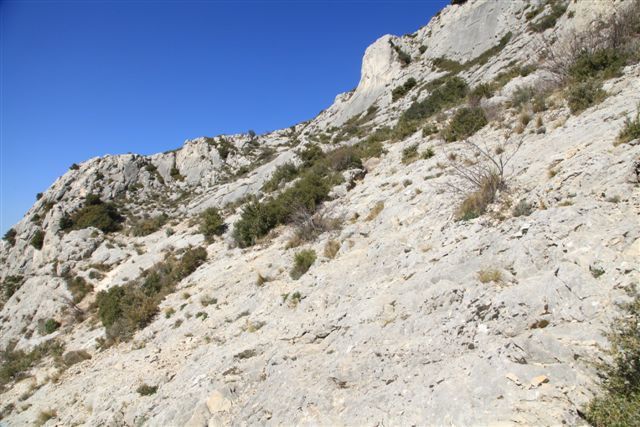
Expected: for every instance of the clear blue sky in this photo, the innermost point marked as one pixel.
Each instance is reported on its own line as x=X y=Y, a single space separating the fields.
x=86 y=78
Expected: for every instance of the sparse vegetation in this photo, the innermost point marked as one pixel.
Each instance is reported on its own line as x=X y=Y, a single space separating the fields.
x=15 y=363
x=10 y=285
x=523 y=208
x=490 y=275
x=619 y=403
x=44 y=416
x=410 y=154
x=78 y=287
x=125 y=309
x=466 y=122
x=283 y=174
x=583 y=95
x=630 y=131
x=375 y=211
x=557 y=9
x=331 y=248
x=302 y=261
x=445 y=93
x=403 y=89
x=149 y=225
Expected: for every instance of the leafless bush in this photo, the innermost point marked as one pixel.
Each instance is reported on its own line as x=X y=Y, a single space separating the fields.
x=479 y=181
x=309 y=225
x=618 y=32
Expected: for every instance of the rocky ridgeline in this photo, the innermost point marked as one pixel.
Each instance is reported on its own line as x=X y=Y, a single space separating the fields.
x=409 y=305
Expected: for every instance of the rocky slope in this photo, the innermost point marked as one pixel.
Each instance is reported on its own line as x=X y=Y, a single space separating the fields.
x=415 y=319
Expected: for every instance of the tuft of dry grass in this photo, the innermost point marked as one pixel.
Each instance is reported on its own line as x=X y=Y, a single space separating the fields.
x=44 y=416
x=476 y=203
x=375 y=211
x=331 y=248
x=490 y=275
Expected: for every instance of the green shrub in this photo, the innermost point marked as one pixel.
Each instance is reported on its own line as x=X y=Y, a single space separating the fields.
x=630 y=131
x=74 y=167
x=10 y=285
x=410 y=154
x=446 y=93
x=147 y=390
x=38 y=239
x=125 y=309
x=465 y=123
x=581 y=96
x=523 y=208
x=283 y=173
x=10 y=236
x=302 y=261
x=211 y=223
x=175 y=173
x=601 y=63
x=619 y=403
x=403 y=89
x=14 y=364
x=310 y=155
x=50 y=326
x=558 y=8
x=94 y=213
x=428 y=153
x=522 y=95
x=225 y=148
x=149 y=225
x=403 y=57
x=483 y=90
x=79 y=288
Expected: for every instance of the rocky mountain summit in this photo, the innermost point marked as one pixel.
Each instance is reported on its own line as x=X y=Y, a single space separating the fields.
x=446 y=244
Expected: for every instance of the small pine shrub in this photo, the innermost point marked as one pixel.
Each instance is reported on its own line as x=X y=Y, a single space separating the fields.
x=38 y=239
x=147 y=390
x=79 y=288
x=619 y=402
x=302 y=261
x=10 y=237
x=410 y=154
x=149 y=225
x=50 y=326
x=403 y=89
x=428 y=153
x=211 y=223
x=601 y=63
x=630 y=131
x=283 y=173
x=94 y=213
x=74 y=167
x=465 y=123
x=10 y=285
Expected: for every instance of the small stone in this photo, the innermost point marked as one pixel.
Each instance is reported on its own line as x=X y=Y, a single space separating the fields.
x=540 y=379
x=217 y=402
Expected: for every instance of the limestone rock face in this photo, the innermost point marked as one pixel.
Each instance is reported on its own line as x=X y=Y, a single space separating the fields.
x=407 y=316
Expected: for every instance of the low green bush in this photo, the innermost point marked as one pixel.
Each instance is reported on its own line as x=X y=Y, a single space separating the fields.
x=410 y=154
x=302 y=261
x=601 y=63
x=94 y=213
x=147 y=390
x=10 y=237
x=558 y=8
x=630 y=131
x=619 y=403
x=583 y=95
x=211 y=223
x=78 y=287
x=50 y=326
x=446 y=93
x=483 y=90
x=38 y=239
x=125 y=309
x=283 y=173
x=465 y=123
x=149 y=225
x=10 y=285
x=403 y=89
x=15 y=363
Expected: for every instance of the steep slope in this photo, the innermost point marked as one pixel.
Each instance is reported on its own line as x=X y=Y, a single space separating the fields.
x=408 y=315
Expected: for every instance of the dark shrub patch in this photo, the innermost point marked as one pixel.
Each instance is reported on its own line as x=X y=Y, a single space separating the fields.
x=211 y=223
x=403 y=89
x=78 y=287
x=50 y=326
x=10 y=237
x=94 y=213
x=465 y=123
x=581 y=96
x=38 y=239
x=302 y=261
x=10 y=285
x=149 y=225
x=283 y=173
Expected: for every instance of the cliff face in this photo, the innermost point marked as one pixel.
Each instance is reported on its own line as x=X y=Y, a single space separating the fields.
x=408 y=315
